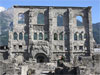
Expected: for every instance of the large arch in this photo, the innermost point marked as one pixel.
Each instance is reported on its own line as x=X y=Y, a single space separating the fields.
x=59 y=20
x=79 y=20
x=40 y=18
x=21 y=18
x=41 y=58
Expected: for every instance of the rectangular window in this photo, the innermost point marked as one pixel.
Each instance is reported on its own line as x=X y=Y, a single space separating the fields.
x=20 y=46
x=75 y=47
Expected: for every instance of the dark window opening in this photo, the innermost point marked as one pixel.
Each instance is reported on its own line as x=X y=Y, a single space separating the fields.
x=75 y=47
x=35 y=36
x=79 y=58
x=40 y=36
x=15 y=36
x=4 y=47
x=20 y=36
x=80 y=36
x=20 y=46
x=75 y=36
x=61 y=36
x=55 y=36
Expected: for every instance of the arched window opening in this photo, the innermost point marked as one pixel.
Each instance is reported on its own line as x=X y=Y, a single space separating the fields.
x=59 y=20
x=80 y=36
x=21 y=18
x=40 y=18
x=45 y=36
x=20 y=36
x=26 y=37
x=65 y=36
x=79 y=21
x=35 y=36
x=15 y=36
x=55 y=36
x=75 y=36
x=61 y=36
x=40 y=36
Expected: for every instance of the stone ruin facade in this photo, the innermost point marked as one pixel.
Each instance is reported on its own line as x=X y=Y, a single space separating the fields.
x=43 y=34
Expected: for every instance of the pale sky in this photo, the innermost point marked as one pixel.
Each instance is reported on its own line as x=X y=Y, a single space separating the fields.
x=78 y=3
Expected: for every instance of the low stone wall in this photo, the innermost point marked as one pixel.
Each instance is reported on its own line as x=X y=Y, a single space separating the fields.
x=97 y=64
x=6 y=68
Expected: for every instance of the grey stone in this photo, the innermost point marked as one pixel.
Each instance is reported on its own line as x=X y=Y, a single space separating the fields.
x=40 y=56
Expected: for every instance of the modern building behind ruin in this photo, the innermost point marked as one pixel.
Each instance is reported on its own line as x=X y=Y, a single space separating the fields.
x=43 y=33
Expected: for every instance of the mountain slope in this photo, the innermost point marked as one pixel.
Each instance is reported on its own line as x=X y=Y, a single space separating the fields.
x=96 y=32
x=6 y=17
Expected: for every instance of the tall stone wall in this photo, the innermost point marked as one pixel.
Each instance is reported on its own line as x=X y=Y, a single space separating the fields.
x=28 y=46
x=51 y=47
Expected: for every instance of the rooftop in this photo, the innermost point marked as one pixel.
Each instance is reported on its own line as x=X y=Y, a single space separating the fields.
x=20 y=6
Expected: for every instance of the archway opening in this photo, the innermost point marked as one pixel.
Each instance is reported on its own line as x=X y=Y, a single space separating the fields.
x=41 y=58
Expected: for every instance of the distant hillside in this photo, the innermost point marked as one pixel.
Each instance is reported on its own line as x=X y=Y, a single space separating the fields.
x=6 y=22
x=96 y=32
x=5 y=19
x=79 y=23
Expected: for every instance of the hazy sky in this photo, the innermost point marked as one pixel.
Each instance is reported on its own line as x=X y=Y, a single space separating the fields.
x=82 y=3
